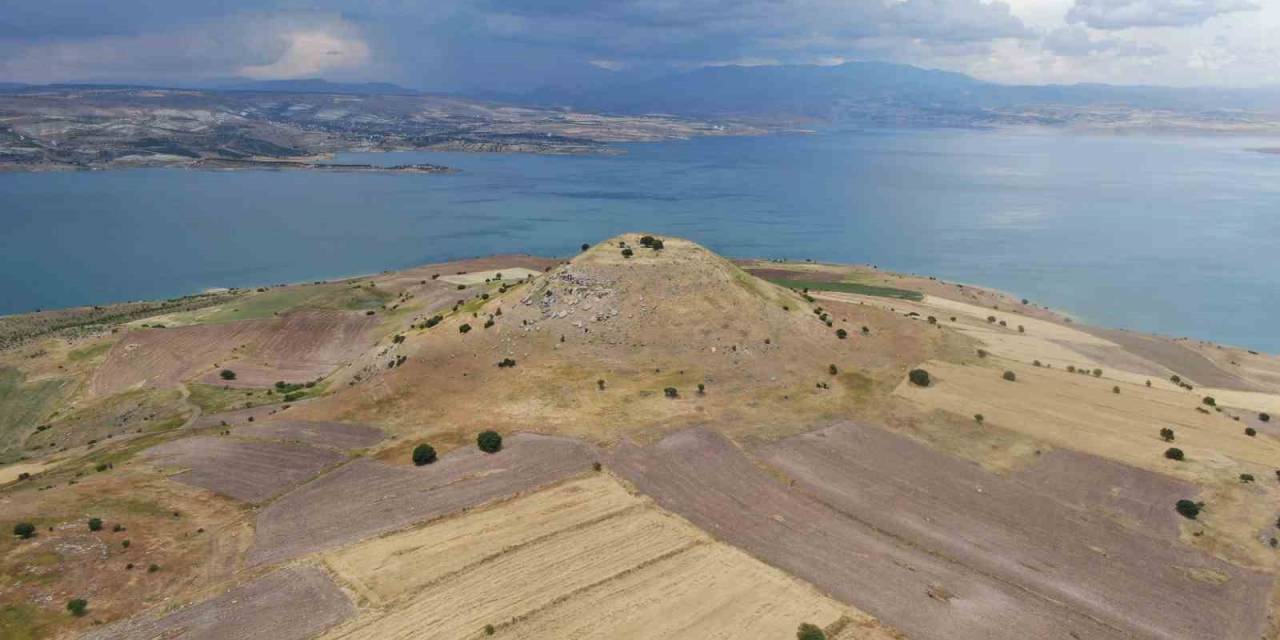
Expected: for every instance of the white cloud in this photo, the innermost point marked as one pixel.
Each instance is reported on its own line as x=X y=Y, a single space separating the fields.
x=1125 y=14
x=311 y=53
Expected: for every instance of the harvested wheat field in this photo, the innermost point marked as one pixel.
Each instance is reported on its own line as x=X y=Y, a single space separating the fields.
x=333 y=435
x=294 y=603
x=1108 y=568
x=295 y=347
x=253 y=472
x=703 y=477
x=365 y=498
x=582 y=559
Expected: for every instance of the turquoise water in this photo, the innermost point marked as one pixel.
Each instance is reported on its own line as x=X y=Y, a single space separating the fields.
x=1171 y=235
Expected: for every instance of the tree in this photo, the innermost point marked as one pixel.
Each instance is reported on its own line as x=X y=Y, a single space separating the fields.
x=832 y=369
x=1246 y=477
x=1264 y=417
x=78 y=606
x=810 y=632
x=227 y=374
x=627 y=253
x=982 y=353
x=489 y=441
x=671 y=392
x=585 y=246
x=1166 y=434
x=1097 y=373
x=506 y=363
x=918 y=377
x=1188 y=509
x=464 y=328
x=424 y=454
x=841 y=333
x=1173 y=453
x=702 y=389
x=1115 y=389
x=979 y=418
x=1250 y=431
x=24 y=530
x=95 y=524
x=1010 y=376
x=1210 y=401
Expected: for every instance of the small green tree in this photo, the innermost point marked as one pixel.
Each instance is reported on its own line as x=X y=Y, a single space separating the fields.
x=95 y=524
x=1173 y=453
x=489 y=441
x=1166 y=434
x=24 y=530
x=585 y=246
x=832 y=369
x=702 y=389
x=1188 y=509
x=227 y=374
x=671 y=392
x=1264 y=417
x=424 y=454
x=1246 y=477
x=464 y=328
x=810 y=632
x=841 y=333
x=918 y=377
x=1210 y=401
x=1250 y=431
x=979 y=418
x=78 y=606
x=1010 y=376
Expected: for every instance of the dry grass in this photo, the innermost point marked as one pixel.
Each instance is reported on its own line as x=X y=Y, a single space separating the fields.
x=583 y=559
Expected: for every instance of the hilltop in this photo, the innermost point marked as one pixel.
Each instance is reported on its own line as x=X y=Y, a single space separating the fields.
x=690 y=447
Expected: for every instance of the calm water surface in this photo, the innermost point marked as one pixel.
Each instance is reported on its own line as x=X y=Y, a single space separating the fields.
x=1164 y=234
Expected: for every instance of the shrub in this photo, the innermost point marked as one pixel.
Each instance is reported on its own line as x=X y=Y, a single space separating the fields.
x=1250 y=431
x=489 y=441
x=702 y=389
x=227 y=374
x=1071 y=368
x=1097 y=373
x=489 y=630
x=671 y=392
x=932 y=320
x=424 y=454
x=432 y=321
x=1187 y=509
x=24 y=530
x=95 y=524
x=506 y=363
x=1173 y=453
x=918 y=377
x=1210 y=401
x=646 y=241
x=1264 y=417
x=991 y=319
x=124 y=544
x=78 y=606
x=978 y=418
x=627 y=253
x=1176 y=379
x=1246 y=477
x=1010 y=376
x=1166 y=434
x=464 y=328
x=1037 y=363
x=1022 y=329
x=585 y=246
x=840 y=333
x=831 y=368
x=982 y=353
x=600 y=384
x=153 y=568
x=657 y=244
x=461 y=287
x=1115 y=389
x=810 y=632
x=488 y=323
x=596 y=466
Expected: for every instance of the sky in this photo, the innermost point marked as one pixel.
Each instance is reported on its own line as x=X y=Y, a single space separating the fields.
x=517 y=45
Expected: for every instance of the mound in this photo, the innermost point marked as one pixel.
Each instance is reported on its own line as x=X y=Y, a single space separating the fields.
x=597 y=343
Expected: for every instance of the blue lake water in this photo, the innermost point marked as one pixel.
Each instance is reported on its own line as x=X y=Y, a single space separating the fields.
x=1164 y=234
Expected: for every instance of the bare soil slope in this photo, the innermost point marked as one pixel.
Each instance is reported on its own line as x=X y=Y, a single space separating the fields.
x=249 y=471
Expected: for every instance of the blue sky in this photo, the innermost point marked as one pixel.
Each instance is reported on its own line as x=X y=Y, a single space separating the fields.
x=505 y=45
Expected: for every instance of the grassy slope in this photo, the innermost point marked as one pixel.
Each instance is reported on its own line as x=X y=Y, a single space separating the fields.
x=340 y=296
x=23 y=406
x=851 y=287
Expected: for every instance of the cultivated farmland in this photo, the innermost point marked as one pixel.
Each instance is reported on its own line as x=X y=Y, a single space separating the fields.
x=249 y=471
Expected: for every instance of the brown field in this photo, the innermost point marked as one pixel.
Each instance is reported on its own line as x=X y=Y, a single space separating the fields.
x=334 y=435
x=366 y=498
x=582 y=559
x=1109 y=569
x=294 y=603
x=295 y=347
x=702 y=476
x=1172 y=355
x=253 y=472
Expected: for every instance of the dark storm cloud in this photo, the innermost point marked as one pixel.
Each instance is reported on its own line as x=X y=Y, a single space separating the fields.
x=1125 y=14
x=496 y=44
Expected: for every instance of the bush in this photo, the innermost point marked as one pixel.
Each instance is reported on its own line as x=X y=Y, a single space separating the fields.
x=506 y=363
x=1246 y=477
x=24 y=530
x=702 y=389
x=1115 y=389
x=657 y=244
x=982 y=353
x=489 y=630
x=227 y=374
x=841 y=333
x=919 y=377
x=600 y=384
x=1187 y=509
x=95 y=524
x=1264 y=417
x=489 y=441
x=671 y=392
x=153 y=568
x=1173 y=453
x=1166 y=434
x=432 y=321
x=585 y=246
x=810 y=632
x=646 y=241
x=1097 y=373
x=78 y=607
x=1250 y=431
x=627 y=253
x=832 y=369
x=424 y=454
x=978 y=418
x=1210 y=401
x=1010 y=376
x=464 y=328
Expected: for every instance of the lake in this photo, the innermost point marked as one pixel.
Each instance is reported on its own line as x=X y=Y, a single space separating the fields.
x=1172 y=235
